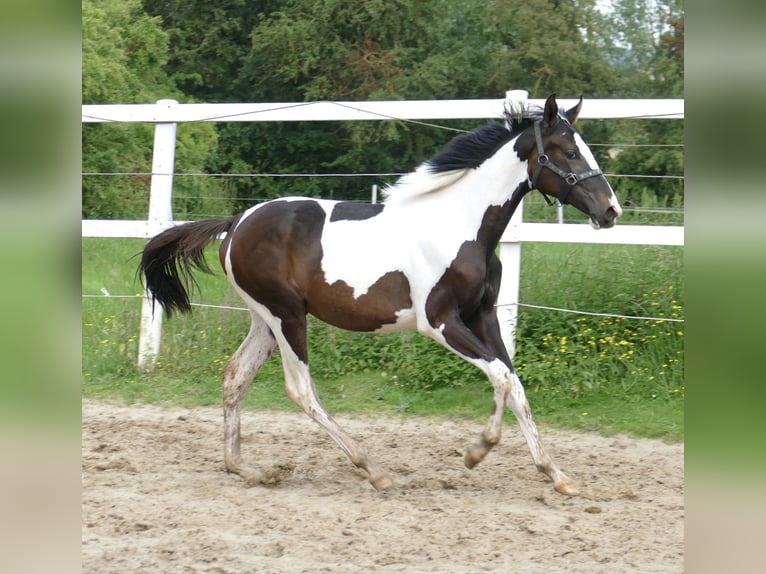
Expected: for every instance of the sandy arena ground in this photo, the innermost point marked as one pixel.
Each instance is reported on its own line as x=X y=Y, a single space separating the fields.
x=155 y=498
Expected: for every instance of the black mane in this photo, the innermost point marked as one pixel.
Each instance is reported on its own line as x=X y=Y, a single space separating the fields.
x=471 y=150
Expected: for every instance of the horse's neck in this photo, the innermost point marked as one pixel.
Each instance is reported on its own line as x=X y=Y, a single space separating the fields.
x=497 y=217
x=481 y=202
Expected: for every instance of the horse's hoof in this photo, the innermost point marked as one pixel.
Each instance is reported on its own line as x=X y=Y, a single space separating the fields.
x=567 y=488
x=251 y=479
x=383 y=482
x=474 y=455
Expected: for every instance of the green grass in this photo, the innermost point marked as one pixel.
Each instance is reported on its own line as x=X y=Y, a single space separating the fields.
x=604 y=374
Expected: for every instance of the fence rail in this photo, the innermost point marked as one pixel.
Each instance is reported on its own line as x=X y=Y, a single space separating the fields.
x=166 y=114
x=169 y=111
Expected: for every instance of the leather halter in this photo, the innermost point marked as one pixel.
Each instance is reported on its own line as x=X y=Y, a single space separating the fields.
x=570 y=179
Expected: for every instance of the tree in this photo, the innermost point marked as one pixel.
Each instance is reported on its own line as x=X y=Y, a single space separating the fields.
x=209 y=41
x=303 y=50
x=649 y=40
x=548 y=46
x=123 y=54
x=337 y=50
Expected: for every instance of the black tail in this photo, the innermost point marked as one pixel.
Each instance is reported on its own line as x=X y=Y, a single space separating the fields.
x=169 y=258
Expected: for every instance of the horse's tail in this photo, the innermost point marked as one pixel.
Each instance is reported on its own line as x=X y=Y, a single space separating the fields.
x=170 y=257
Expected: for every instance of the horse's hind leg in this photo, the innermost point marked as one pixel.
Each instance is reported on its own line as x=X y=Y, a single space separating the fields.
x=300 y=389
x=236 y=378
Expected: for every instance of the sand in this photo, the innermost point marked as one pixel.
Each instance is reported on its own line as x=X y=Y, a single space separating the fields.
x=156 y=498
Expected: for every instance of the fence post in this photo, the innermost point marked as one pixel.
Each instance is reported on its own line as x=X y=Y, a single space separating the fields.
x=160 y=211
x=508 y=297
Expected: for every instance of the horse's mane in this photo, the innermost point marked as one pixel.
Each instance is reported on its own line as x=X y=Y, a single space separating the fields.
x=463 y=153
x=519 y=119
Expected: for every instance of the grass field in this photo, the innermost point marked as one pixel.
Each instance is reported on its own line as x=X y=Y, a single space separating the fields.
x=598 y=373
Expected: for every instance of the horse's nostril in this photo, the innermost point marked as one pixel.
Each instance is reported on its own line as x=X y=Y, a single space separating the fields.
x=611 y=213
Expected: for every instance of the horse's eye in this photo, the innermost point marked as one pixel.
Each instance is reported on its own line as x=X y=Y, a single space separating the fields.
x=571 y=154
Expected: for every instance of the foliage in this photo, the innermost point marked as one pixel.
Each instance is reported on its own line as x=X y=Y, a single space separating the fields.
x=649 y=48
x=302 y=50
x=208 y=42
x=548 y=46
x=337 y=50
x=124 y=52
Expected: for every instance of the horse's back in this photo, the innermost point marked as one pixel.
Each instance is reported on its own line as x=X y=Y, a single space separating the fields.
x=331 y=259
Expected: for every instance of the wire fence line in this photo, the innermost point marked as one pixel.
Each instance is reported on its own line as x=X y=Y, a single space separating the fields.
x=239 y=200
x=529 y=200
x=528 y=305
x=594 y=314
x=397 y=174
x=222 y=117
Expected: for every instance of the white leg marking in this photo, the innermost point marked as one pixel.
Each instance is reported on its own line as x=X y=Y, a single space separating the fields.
x=236 y=378
x=510 y=392
x=517 y=402
x=499 y=375
x=301 y=390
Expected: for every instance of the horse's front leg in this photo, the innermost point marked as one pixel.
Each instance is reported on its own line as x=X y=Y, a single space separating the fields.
x=480 y=343
x=468 y=344
x=509 y=391
x=491 y=434
x=517 y=402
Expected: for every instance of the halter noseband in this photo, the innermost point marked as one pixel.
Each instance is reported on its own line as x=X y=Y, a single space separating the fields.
x=571 y=179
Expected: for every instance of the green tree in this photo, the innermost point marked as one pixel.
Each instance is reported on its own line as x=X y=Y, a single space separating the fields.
x=209 y=41
x=547 y=46
x=649 y=45
x=302 y=50
x=123 y=54
x=336 y=50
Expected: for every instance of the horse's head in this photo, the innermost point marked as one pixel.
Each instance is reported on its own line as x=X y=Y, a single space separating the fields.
x=561 y=165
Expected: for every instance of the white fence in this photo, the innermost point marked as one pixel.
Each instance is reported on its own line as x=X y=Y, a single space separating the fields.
x=167 y=113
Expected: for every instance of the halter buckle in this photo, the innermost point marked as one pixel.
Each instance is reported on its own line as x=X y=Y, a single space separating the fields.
x=542 y=159
x=571 y=178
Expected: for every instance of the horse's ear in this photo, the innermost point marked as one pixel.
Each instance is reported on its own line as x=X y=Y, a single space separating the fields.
x=551 y=113
x=572 y=113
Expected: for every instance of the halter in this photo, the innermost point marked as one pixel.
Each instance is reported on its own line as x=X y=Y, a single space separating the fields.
x=571 y=179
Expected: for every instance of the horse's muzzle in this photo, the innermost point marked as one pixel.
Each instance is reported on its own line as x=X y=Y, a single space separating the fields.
x=607 y=219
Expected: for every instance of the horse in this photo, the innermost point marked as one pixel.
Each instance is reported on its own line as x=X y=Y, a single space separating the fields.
x=422 y=259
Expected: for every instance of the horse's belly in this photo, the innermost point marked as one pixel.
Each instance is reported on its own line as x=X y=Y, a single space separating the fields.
x=385 y=306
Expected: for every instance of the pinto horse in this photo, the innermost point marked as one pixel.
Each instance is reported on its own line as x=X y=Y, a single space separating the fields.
x=423 y=259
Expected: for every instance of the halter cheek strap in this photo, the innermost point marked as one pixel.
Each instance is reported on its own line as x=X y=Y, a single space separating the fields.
x=570 y=179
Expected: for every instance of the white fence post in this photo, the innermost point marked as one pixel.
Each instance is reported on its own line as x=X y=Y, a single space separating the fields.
x=160 y=211
x=508 y=297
